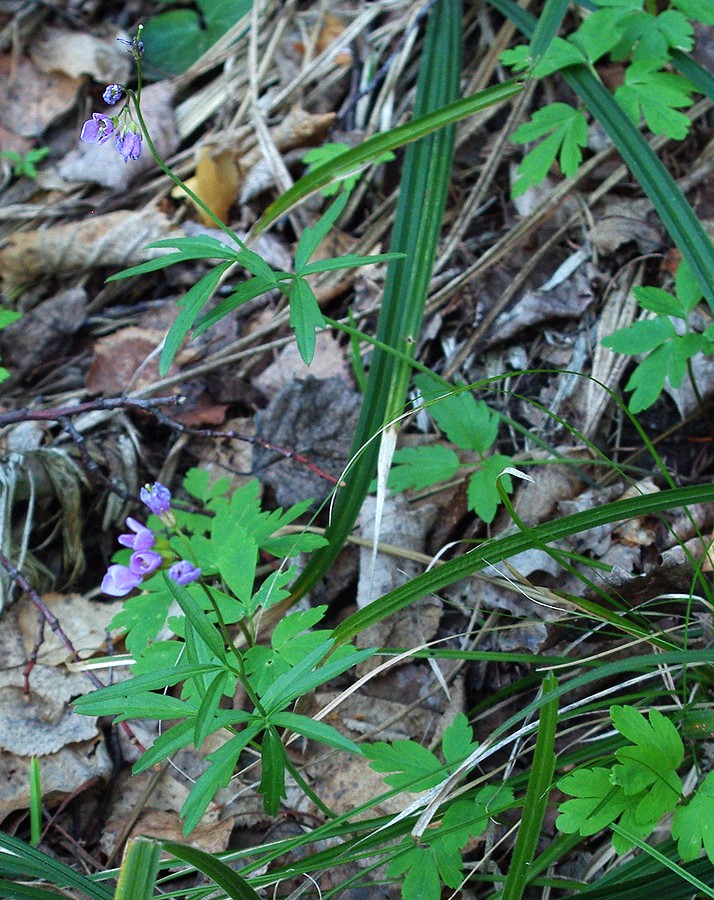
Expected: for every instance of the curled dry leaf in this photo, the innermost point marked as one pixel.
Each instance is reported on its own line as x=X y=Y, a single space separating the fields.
x=102 y=165
x=114 y=240
x=216 y=183
x=77 y=53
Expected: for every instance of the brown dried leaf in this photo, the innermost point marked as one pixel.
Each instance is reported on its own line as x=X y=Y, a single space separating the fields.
x=31 y=100
x=41 y=334
x=63 y=773
x=102 y=164
x=77 y=53
x=329 y=361
x=115 y=240
x=43 y=722
x=83 y=621
x=126 y=360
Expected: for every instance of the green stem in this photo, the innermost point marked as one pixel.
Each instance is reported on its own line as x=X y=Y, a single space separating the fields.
x=306 y=789
x=135 y=98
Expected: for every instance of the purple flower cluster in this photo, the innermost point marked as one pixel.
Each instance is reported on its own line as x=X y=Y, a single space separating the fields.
x=146 y=559
x=100 y=128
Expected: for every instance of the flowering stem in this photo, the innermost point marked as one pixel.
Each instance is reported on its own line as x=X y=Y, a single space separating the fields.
x=135 y=98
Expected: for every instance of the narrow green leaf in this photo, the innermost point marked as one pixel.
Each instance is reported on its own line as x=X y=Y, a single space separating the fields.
x=246 y=291
x=537 y=793
x=420 y=126
x=35 y=802
x=137 y=874
x=208 y=709
x=417 y=226
x=305 y=317
x=348 y=261
x=272 y=781
x=197 y=618
x=311 y=237
x=24 y=861
x=192 y=303
x=316 y=731
x=220 y=771
x=166 y=744
x=494 y=551
x=153 y=681
x=221 y=874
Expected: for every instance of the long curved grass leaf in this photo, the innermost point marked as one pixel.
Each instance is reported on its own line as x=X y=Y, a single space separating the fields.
x=227 y=879
x=353 y=160
x=494 y=551
x=19 y=859
x=536 y=803
x=417 y=226
x=547 y=27
x=676 y=214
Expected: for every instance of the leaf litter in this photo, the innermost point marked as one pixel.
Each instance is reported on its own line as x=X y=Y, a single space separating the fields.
x=89 y=214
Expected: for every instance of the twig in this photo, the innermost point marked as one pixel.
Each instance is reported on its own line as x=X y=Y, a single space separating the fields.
x=52 y=620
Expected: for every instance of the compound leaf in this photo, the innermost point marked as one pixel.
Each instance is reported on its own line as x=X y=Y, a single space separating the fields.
x=420 y=467
x=656 y=96
x=567 y=133
x=693 y=824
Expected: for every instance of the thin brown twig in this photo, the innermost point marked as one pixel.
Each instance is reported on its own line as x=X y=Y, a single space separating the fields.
x=52 y=620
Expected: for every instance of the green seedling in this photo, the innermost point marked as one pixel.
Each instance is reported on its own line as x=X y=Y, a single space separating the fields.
x=25 y=165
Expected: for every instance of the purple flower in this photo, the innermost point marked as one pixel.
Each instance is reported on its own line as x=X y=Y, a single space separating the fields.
x=98 y=129
x=144 y=562
x=142 y=539
x=128 y=143
x=157 y=497
x=120 y=581
x=184 y=572
x=113 y=93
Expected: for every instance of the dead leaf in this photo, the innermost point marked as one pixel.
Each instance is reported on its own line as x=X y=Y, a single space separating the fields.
x=62 y=774
x=102 y=164
x=84 y=622
x=114 y=240
x=329 y=362
x=127 y=359
x=44 y=722
x=402 y=525
x=316 y=417
x=77 y=53
x=160 y=817
x=330 y=31
x=41 y=334
x=623 y=221
x=31 y=100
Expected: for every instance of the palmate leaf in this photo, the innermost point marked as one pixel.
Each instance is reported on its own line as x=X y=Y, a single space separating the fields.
x=420 y=467
x=667 y=363
x=656 y=96
x=597 y=802
x=700 y=10
x=467 y=422
x=482 y=494
x=693 y=824
x=650 y=39
x=411 y=767
x=567 y=133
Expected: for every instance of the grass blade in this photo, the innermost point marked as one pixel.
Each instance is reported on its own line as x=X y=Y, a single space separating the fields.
x=536 y=803
x=417 y=226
